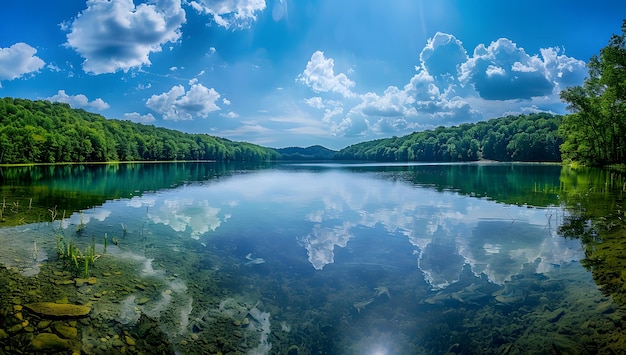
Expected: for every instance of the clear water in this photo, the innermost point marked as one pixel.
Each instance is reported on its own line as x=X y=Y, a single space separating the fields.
x=328 y=259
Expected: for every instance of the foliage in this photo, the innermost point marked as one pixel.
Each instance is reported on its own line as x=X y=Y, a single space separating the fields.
x=512 y=138
x=595 y=133
x=45 y=132
x=73 y=258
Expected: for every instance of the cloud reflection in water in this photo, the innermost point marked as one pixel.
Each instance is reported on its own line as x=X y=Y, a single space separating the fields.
x=446 y=230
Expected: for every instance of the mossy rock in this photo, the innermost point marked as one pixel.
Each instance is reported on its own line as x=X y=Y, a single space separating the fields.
x=65 y=331
x=48 y=342
x=58 y=310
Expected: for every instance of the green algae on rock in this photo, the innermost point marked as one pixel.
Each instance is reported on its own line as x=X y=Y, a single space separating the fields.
x=66 y=331
x=48 y=342
x=58 y=310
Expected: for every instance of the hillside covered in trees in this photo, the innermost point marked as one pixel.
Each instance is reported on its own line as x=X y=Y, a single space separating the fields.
x=45 y=132
x=512 y=138
x=314 y=152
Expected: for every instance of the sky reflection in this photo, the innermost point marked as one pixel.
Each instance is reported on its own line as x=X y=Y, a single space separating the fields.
x=330 y=209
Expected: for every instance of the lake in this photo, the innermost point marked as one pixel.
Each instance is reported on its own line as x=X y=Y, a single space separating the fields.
x=319 y=258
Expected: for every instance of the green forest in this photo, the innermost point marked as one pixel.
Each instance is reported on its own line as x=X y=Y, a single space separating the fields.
x=45 y=132
x=512 y=138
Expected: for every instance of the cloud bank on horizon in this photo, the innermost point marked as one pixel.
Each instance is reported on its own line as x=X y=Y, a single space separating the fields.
x=284 y=72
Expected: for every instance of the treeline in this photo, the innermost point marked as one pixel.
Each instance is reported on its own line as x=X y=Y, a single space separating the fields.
x=513 y=138
x=45 y=132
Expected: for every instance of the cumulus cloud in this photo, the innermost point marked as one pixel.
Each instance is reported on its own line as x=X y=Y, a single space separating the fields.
x=449 y=87
x=235 y=14
x=350 y=126
x=563 y=70
x=319 y=74
x=504 y=71
x=114 y=35
x=393 y=103
x=17 y=60
x=178 y=104
x=79 y=100
x=443 y=55
x=137 y=117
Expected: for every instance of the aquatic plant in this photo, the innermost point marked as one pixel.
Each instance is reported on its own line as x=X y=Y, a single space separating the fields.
x=106 y=237
x=81 y=225
x=35 y=252
x=53 y=213
x=74 y=257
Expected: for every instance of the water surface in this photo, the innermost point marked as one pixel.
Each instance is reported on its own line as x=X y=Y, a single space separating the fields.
x=316 y=258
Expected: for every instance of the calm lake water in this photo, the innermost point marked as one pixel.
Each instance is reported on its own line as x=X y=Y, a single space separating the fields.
x=197 y=258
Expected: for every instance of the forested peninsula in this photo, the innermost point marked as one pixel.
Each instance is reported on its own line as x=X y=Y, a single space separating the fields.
x=512 y=138
x=45 y=132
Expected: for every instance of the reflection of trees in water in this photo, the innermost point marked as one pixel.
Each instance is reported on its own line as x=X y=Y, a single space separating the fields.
x=595 y=200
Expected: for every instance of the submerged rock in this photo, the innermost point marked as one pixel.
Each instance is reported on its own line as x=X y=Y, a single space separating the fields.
x=48 y=342
x=65 y=331
x=58 y=310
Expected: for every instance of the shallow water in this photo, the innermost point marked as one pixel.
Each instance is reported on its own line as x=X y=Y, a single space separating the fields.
x=321 y=259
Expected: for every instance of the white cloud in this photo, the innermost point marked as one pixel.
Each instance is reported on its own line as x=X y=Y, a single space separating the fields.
x=330 y=113
x=443 y=55
x=230 y=114
x=17 y=60
x=117 y=35
x=137 y=117
x=564 y=70
x=319 y=74
x=393 y=103
x=450 y=87
x=315 y=102
x=79 y=100
x=503 y=71
x=177 y=104
x=230 y=13
x=494 y=70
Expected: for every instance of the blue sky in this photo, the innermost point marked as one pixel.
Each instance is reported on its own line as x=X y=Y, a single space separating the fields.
x=301 y=72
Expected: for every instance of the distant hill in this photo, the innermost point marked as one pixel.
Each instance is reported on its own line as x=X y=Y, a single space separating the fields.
x=314 y=152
